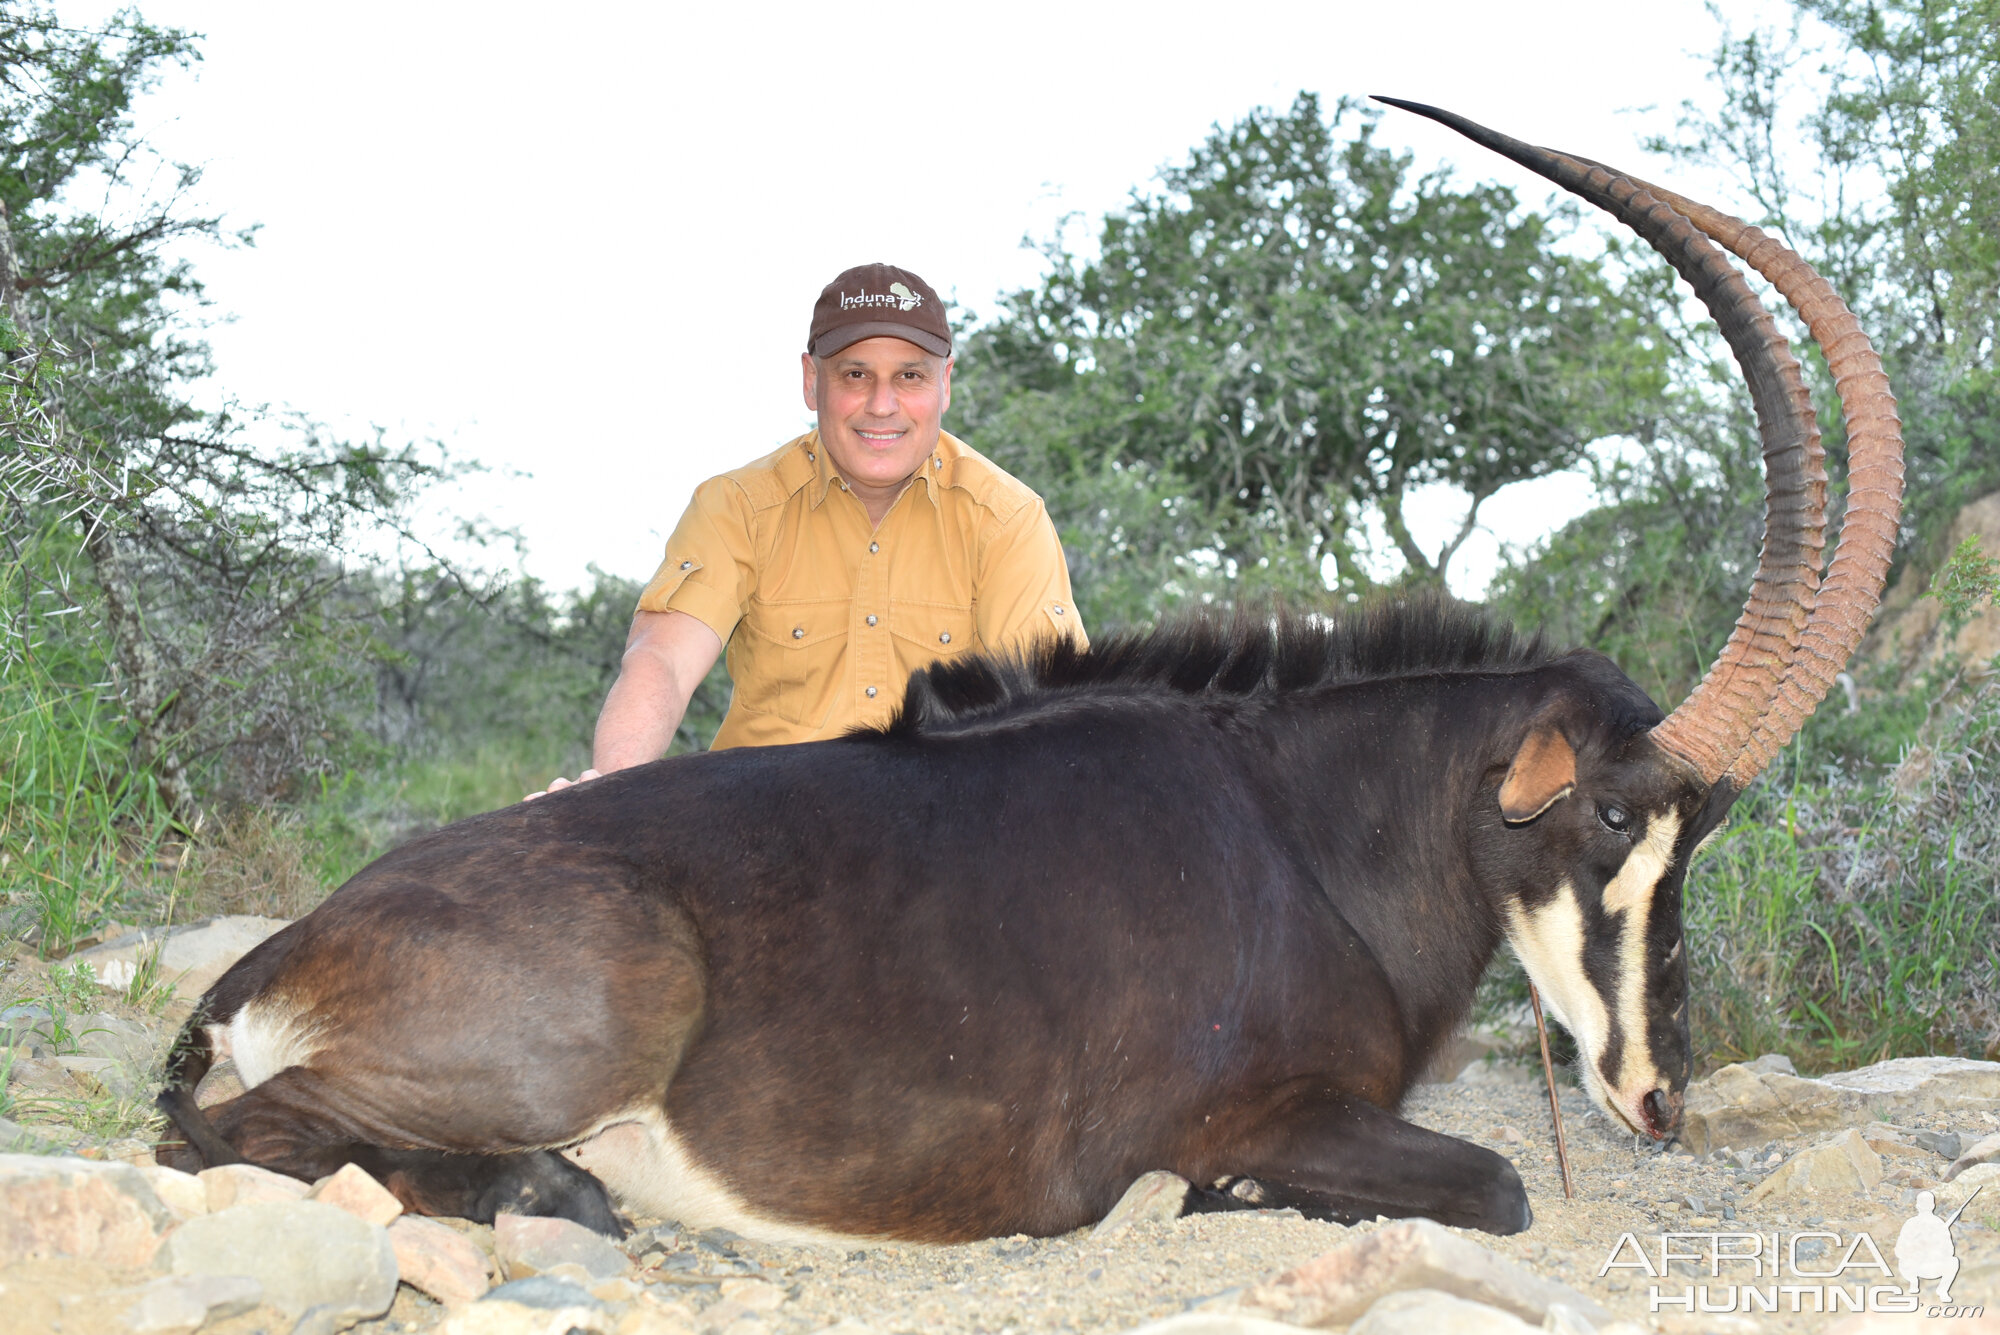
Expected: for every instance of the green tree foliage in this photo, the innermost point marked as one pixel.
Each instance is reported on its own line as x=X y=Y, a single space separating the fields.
x=1289 y=336
x=196 y=553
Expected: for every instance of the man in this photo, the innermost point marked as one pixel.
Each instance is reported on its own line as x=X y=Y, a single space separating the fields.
x=861 y=551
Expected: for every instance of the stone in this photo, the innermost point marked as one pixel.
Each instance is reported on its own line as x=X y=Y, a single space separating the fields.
x=1454 y=1055
x=102 y=1034
x=1339 y=1286
x=42 y=1077
x=438 y=1260
x=220 y=1085
x=1494 y=1071
x=1985 y=1151
x=1944 y=1144
x=24 y=1023
x=305 y=1254
x=1158 y=1195
x=247 y=1184
x=104 y=1212
x=759 y=1295
x=18 y=1139
x=183 y=1193
x=535 y=1306
x=1431 y=1312
x=191 y=957
x=1187 y=1323
x=530 y=1244
x=353 y=1190
x=646 y=1319
x=180 y=1303
x=1773 y=1063
x=1843 y=1164
x=1952 y=1194
x=1739 y=1106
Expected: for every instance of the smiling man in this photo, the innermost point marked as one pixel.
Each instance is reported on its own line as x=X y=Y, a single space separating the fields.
x=851 y=556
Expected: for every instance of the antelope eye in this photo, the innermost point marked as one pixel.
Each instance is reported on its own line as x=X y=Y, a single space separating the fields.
x=1614 y=817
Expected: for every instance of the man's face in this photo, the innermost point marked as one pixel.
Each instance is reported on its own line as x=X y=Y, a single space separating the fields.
x=881 y=406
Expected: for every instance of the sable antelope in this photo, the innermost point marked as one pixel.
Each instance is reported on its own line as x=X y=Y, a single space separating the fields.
x=1206 y=900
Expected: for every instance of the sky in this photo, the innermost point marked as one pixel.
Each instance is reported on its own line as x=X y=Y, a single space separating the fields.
x=580 y=243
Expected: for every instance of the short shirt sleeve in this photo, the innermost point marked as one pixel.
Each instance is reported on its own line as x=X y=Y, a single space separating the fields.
x=1022 y=591
x=709 y=570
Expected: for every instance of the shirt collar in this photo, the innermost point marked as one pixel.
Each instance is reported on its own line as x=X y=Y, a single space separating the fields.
x=934 y=472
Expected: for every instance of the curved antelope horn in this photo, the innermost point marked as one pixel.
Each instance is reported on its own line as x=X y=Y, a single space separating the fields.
x=1751 y=702
x=1853 y=586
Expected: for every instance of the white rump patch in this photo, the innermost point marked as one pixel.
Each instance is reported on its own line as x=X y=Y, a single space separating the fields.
x=643 y=1163
x=264 y=1038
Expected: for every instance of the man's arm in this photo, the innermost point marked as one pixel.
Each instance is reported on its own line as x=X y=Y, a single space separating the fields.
x=666 y=656
x=1021 y=591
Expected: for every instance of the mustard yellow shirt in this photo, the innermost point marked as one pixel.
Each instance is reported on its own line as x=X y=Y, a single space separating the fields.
x=825 y=616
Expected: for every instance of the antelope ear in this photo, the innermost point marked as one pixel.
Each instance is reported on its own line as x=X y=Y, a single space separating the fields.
x=1543 y=774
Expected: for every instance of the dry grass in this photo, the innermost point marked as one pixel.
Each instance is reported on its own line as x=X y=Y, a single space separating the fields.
x=253 y=862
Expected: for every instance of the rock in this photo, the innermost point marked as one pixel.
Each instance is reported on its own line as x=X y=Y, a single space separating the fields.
x=536 y=1306
x=353 y=1190
x=1952 y=1194
x=1187 y=1323
x=1739 y=1106
x=102 y=1034
x=24 y=1022
x=1455 y=1054
x=183 y=1193
x=191 y=957
x=43 y=1077
x=1773 y=1063
x=1335 y=1288
x=247 y=1184
x=18 y=1139
x=221 y=1084
x=1158 y=1195
x=648 y=1320
x=1430 y=1312
x=1493 y=1071
x=104 y=1212
x=1944 y=1144
x=305 y=1254
x=1843 y=1164
x=1985 y=1151
x=528 y=1245
x=759 y=1295
x=181 y=1303
x=437 y=1260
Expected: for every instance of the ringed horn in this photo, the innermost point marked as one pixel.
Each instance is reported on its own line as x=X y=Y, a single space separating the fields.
x=1795 y=634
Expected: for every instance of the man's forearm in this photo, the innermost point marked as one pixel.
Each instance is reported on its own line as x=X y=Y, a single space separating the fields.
x=640 y=715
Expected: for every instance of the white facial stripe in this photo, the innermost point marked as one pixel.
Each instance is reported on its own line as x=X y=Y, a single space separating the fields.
x=1549 y=941
x=1631 y=893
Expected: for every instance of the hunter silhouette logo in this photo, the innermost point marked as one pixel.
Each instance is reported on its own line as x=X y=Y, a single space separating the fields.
x=1924 y=1249
x=898 y=296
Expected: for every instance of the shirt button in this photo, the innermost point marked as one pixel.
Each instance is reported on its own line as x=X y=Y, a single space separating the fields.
x=687 y=565
x=874 y=547
x=1058 y=609
x=937 y=463
x=944 y=637
x=798 y=632
x=871 y=692
x=871 y=618
x=811 y=458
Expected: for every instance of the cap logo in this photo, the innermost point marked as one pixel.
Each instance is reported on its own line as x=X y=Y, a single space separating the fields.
x=898 y=296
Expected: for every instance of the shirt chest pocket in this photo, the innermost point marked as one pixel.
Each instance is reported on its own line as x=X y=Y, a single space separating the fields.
x=925 y=632
x=791 y=658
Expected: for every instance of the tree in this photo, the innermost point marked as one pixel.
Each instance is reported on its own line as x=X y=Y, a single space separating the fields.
x=212 y=539
x=1302 y=332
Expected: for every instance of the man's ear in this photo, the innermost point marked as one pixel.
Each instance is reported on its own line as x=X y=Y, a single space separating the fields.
x=811 y=370
x=944 y=403
x=1543 y=774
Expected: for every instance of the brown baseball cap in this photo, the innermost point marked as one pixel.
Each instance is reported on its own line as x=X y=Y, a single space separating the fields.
x=872 y=300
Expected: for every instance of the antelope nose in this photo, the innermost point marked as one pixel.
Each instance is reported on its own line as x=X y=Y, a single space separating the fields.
x=1663 y=1112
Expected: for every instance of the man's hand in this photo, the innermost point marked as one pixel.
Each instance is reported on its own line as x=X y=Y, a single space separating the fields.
x=554 y=784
